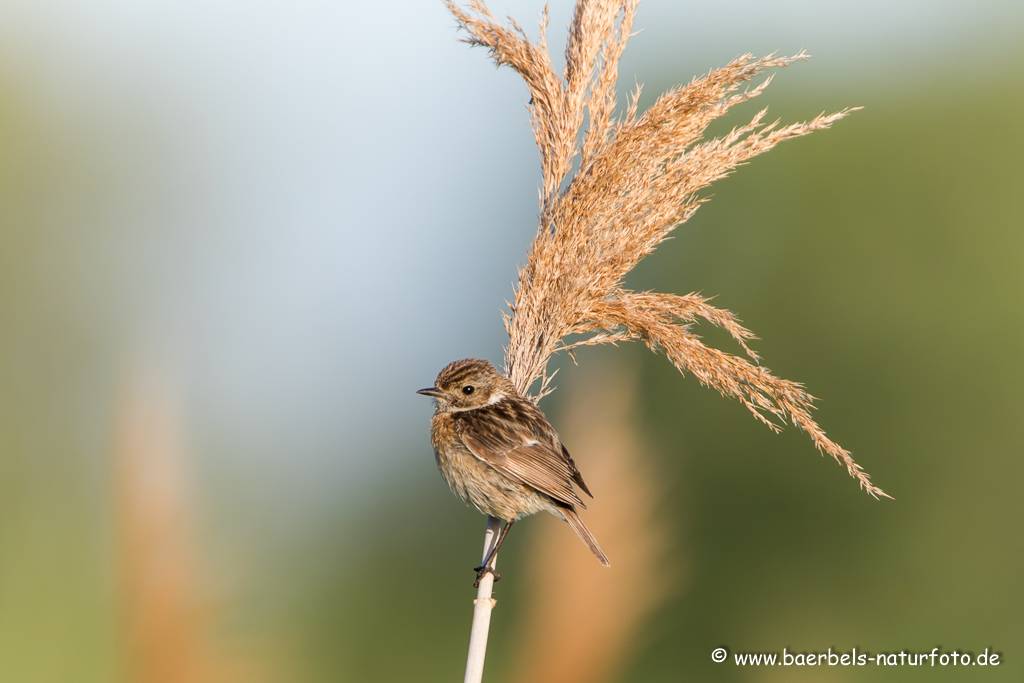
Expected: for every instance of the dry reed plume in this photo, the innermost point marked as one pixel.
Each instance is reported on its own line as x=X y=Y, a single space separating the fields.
x=638 y=176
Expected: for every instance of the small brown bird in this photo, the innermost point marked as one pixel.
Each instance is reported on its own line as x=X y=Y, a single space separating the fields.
x=500 y=454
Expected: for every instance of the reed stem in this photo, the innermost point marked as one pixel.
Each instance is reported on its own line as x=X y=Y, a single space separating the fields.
x=482 y=607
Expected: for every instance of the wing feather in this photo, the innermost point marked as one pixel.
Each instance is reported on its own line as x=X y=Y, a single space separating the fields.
x=509 y=437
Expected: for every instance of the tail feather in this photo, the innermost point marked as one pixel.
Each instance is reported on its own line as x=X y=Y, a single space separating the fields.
x=569 y=513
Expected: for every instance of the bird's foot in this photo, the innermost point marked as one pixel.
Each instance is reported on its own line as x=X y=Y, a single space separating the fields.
x=482 y=571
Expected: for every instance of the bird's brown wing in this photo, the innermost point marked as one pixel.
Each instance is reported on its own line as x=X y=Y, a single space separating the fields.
x=499 y=436
x=576 y=476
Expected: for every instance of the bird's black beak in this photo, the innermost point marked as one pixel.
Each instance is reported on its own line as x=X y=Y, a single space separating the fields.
x=430 y=391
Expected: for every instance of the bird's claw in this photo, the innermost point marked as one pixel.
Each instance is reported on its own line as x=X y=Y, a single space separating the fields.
x=482 y=571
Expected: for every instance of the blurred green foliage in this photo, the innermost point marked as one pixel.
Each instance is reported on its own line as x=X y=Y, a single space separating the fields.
x=880 y=263
x=56 y=600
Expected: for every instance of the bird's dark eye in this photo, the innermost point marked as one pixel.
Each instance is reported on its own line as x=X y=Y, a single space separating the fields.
x=468 y=389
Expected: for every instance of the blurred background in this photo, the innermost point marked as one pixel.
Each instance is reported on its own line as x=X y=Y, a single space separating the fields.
x=236 y=237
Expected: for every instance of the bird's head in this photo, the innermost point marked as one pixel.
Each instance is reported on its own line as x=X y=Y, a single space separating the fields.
x=467 y=384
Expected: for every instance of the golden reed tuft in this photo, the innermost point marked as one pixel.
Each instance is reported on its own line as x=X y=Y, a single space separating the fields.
x=638 y=177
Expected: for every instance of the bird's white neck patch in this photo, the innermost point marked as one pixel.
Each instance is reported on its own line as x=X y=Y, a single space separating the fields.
x=490 y=402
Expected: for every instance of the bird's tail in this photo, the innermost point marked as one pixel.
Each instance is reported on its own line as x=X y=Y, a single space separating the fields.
x=569 y=513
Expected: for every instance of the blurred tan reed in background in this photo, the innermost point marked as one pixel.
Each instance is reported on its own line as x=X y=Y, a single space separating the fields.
x=582 y=622
x=168 y=623
x=638 y=177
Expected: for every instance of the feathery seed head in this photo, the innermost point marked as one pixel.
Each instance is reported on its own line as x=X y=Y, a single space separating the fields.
x=639 y=176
